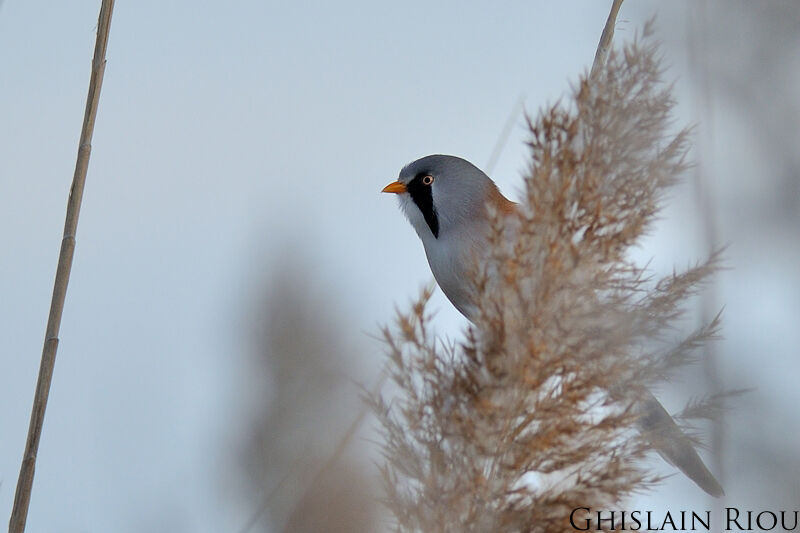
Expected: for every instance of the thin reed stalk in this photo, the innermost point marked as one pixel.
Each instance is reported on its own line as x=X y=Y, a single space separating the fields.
x=604 y=46
x=22 y=498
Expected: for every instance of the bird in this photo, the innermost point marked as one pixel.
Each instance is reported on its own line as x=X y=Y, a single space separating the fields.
x=447 y=200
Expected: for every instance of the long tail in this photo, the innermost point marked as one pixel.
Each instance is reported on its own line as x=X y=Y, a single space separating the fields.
x=675 y=447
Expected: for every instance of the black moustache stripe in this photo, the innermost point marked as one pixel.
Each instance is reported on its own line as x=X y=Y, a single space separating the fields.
x=423 y=197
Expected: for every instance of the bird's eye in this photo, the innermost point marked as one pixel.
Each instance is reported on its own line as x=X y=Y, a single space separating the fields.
x=427 y=180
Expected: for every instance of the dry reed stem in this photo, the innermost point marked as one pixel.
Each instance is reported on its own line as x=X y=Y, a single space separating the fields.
x=19 y=513
x=604 y=46
x=505 y=133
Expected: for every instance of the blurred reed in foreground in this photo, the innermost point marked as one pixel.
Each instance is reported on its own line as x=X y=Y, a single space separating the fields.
x=305 y=399
x=539 y=410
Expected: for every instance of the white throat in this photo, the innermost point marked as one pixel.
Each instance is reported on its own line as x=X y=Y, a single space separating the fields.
x=451 y=256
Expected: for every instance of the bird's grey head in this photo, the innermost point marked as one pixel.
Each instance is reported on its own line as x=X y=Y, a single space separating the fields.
x=444 y=192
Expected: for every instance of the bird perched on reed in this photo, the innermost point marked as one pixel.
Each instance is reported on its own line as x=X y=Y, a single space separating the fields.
x=451 y=204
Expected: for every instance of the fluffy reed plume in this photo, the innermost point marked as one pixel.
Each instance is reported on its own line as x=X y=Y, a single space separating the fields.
x=538 y=411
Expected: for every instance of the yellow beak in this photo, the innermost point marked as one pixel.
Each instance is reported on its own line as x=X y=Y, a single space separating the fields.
x=395 y=187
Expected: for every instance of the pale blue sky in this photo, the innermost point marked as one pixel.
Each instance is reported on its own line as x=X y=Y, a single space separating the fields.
x=226 y=134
